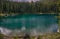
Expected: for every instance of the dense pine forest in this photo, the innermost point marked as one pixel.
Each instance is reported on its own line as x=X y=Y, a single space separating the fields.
x=30 y=7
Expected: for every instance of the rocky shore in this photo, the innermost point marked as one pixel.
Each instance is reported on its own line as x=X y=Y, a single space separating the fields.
x=12 y=14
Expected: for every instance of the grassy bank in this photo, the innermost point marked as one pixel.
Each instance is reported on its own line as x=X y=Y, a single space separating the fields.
x=47 y=36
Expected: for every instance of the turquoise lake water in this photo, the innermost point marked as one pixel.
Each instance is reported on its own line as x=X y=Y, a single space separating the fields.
x=29 y=22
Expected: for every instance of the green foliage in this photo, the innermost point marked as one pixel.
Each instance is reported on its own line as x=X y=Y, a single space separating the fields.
x=1 y=36
x=16 y=37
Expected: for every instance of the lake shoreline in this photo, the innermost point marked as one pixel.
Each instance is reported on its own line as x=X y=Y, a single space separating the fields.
x=13 y=14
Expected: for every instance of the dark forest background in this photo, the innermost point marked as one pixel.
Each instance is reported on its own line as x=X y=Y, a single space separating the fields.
x=30 y=7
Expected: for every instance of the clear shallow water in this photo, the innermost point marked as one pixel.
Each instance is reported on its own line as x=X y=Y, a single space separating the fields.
x=32 y=23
